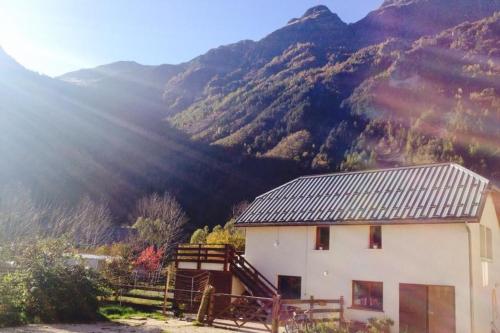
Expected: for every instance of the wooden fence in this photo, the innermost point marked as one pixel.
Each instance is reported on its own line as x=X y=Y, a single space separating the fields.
x=267 y=314
x=180 y=293
x=137 y=295
x=316 y=308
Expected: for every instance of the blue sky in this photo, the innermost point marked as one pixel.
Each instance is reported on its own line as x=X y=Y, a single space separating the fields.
x=57 y=36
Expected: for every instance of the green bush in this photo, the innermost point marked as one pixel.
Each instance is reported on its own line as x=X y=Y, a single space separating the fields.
x=379 y=325
x=49 y=285
x=327 y=327
x=12 y=295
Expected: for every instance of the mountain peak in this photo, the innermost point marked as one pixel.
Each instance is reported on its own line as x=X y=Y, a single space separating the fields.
x=317 y=11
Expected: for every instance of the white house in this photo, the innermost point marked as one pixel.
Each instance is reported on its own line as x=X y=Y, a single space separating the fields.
x=420 y=244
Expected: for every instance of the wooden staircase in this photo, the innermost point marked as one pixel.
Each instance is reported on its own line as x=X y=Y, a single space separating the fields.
x=255 y=283
x=230 y=260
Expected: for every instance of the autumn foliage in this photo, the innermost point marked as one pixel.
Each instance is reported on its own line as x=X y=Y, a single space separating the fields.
x=150 y=259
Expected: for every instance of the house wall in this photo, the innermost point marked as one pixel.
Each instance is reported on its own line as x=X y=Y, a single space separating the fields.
x=419 y=254
x=483 y=293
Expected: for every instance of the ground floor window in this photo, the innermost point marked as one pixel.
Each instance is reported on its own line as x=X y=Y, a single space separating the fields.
x=289 y=287
x=367 y=295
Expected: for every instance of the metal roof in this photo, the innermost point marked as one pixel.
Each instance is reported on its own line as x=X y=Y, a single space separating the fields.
x=438 y=192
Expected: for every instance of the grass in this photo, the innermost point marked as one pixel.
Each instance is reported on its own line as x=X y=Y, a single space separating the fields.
x=139 y=301
x=114 y=312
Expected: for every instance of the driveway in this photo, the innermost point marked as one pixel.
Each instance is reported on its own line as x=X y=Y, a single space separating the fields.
x=140 y=325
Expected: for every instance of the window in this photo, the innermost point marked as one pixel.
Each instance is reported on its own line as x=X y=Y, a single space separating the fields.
x=375 y=237
x=322 y=238
x=289 y=287
x=485 y=269
x=486 y=242
x=367 y=295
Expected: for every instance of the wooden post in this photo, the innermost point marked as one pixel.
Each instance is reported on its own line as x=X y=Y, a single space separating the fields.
x=275 y=323
x=341 y=319
x=199 y=257
x=167 y=285
x=211 y=308
x=311 y=307
x=226 y=255
x=204 y=305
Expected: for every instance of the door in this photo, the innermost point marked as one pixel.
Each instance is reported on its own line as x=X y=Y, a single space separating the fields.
x=441 y=309
x=426 y=309
x=412 y=308
x=289 y=287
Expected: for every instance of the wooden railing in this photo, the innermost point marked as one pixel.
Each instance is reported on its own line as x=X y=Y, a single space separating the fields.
x=231 y=260
x=201 y=253
x=250 y=276
x=271 y=312
x=314 y=306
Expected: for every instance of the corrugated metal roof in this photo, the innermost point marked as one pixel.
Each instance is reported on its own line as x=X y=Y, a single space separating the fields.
x=418 y=193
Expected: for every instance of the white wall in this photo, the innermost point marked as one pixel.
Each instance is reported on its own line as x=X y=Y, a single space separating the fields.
x=421 y=254
x=482 y=294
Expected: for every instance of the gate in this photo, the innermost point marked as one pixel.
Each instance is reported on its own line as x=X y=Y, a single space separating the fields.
x=237 y=311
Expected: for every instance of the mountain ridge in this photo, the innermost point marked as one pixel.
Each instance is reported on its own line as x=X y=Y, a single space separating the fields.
x=317 y=95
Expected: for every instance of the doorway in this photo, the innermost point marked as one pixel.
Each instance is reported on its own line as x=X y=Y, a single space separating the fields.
x=426 y=308
x=289 y=287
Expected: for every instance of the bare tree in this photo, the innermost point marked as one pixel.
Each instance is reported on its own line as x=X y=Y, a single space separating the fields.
x=88 y=223
x=160 y=221
x=91 y=223
x=19 y=216
x=239 y=208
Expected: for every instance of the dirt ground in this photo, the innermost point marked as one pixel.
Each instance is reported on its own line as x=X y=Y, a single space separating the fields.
x=139 y=325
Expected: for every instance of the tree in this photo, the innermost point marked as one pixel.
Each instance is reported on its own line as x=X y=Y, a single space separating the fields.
x=160 y=221
x=91 y=223
x=21 y=216
x=200 y=236
x=227 y=235
x=150 y=259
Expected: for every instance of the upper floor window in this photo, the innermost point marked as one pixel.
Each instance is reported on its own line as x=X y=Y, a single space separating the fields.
x=322 y=238
x=375 y=237
x=486 y=242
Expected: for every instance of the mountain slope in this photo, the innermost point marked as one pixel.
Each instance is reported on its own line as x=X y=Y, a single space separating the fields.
x=316 y=95
x=438 y=101
x=411 y=19
x=63 y=143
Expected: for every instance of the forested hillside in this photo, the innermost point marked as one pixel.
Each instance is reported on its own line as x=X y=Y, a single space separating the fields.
x=412 y=82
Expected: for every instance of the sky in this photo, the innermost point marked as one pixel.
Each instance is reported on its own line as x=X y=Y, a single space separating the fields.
x=58 y=36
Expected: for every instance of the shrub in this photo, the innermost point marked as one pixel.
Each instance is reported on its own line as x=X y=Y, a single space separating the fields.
x=49 y=285
x=327 y=327
x=382 y=325
x=12 y=295
x=150 y=259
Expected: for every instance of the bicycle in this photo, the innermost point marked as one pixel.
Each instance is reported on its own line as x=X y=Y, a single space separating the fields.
x=299 y=323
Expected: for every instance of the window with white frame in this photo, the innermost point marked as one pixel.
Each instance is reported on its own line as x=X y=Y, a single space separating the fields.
x=486 y=242
x=485 y=271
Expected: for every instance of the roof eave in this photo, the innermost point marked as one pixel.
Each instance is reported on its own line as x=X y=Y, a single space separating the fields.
x=361 y=222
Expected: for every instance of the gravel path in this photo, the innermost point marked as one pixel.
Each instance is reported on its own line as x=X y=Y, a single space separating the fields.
x=140 y=325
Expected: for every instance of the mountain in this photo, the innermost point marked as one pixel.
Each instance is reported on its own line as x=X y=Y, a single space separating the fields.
x=63 y=142
x=412 y=82
x=412 y=19
x=296 y=105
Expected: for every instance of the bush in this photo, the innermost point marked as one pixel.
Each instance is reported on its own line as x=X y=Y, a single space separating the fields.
x=11 y=296
x=49 y=285
x=379 y=325
x=327 y=327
